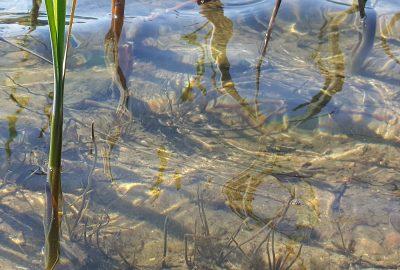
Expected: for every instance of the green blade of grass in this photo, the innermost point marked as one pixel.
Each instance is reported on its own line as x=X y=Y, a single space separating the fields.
x=56 y=14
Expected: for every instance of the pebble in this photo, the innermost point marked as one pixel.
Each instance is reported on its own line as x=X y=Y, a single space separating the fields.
x=394 y=220
x=392 y=240
x=79 y=59
x=365 y=246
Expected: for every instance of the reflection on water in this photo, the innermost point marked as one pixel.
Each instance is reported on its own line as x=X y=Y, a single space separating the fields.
x=21 y=101
x=221 y=33
x=387 y=31
x=35 y=13
x=195 y=82
x=240 y=192
x=163 y=155
x=12 y=120
x=332 y=67
x=118 y=58
x=220 y=36
x=208 y=157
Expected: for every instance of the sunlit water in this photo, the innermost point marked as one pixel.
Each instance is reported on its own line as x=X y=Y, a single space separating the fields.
x=193 y=124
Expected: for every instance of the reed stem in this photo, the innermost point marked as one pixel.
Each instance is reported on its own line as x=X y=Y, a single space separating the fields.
x=56 y=14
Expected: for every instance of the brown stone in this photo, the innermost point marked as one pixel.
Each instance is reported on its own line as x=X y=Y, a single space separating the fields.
x=366 y=247
x=392 y=240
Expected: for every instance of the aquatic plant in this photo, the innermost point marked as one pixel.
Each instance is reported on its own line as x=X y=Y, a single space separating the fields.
x=56 y=14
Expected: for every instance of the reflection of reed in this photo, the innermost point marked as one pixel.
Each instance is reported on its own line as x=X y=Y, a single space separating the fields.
x=30 y=19
x=187 y=94
x=120 y=66
x=12 y=132
x=164 y=156
x=120 y=70
x=35 y=13
x=12 y=119
x=221 y=34
x=47 y=113
x=240 y=193
x=386 y=32
x=241 y=190
x=331 y=67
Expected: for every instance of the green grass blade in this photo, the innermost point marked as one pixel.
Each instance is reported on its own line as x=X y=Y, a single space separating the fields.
x=56 y=13
x=61 y=12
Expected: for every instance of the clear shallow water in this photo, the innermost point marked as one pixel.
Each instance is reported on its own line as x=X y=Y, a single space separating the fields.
x=182 y=124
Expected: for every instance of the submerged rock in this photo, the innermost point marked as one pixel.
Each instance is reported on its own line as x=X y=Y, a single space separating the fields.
x=394 y=220
x=392 y=241
x=368 y=247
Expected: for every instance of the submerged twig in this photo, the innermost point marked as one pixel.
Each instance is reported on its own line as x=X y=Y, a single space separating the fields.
x=69 y=33
x=295 y=258
x=271 y=225
x=269 y=256
x=86 y=193
x=187 y=259
x=232 y=239
x=265 y=47
x=270 y=26
x=22 y=48
x=202 y=213
x=164 y=265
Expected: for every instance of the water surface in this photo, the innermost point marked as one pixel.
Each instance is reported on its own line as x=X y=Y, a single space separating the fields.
x=192 y=123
